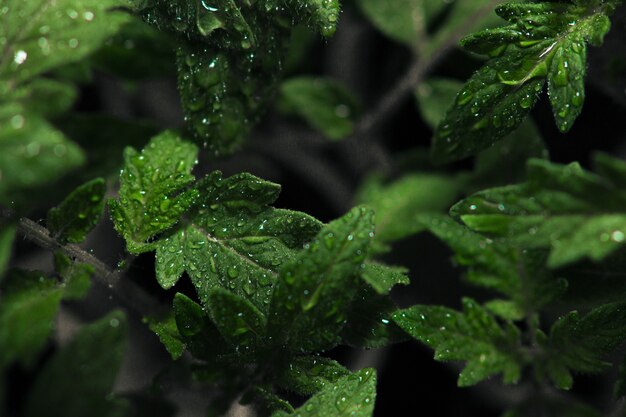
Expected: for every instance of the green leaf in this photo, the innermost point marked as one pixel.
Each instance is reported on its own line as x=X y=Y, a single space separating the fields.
x=78 y=379
x=575 y=213
x=520 y=274
x=167 y=332
x=28 y=307
x=402 y=20
x=353 y=395
x=196 y=330
x=234 y=240
x=307 y=375
x=580 y=343
x=41 y=35
x=473 y=336
x=231 y=238
x=325 y=104
x=43 y=96
x=398 y=204
x=239 y=322
x=310 y=301
x=383 y=278
x=32 y=153
x=76 y=277
x=434 y=96
x=7 y=235
x=544 y=40
x=78 y=213
x=152 y=196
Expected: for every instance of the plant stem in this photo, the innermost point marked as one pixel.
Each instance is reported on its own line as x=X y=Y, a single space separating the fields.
x=126 y=291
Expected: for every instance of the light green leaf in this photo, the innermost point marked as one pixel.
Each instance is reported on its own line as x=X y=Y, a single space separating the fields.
x=32 y=152
x=351 y=396
x=44 y=96
x=473 y=336
x=239 y=322
x=307 y=375
x=325 y=104
x=434 y=96
x=78 y=213
x=76 y=277
x=152 y=196
x=312 y=296
x=398 y=204
x=28 y=307
x=78 y=379
x=41 y=34
x=575 y=213
x=383 y=278
x=167 y=332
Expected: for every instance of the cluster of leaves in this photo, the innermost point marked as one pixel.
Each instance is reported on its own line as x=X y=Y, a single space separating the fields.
x=275 y=288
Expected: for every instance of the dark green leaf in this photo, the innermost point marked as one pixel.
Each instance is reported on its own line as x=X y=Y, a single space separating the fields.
x=353 y=395
x=369 y=324
x=325 y=104
x=167 y=331
x=77 y=381
x=544 y=40
x=307 y=375
x=239 y=322
x=312 y=296
x=434 y=96
x=78 y=213
x=7 y=234
x=473 y=336
x=580 y=343
x=28 y=307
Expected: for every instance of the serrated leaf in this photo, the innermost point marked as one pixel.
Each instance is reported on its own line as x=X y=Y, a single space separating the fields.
x=473 y=336
x=76 y=277
x=41 y=35
x=323 y=103
x=353 y=395
x=167 y=331
x=239 y=322
x=575 y=213
x=234 y=240
x=540 y=43
x=78 y=213
x=307 y=375
x=382 y=278
x=32 y=152
x=520 y=274
x=152 y=196
x=78 y=379
x=311 y=298
x=398 y=204
x=580 y=343
x=28 y=307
